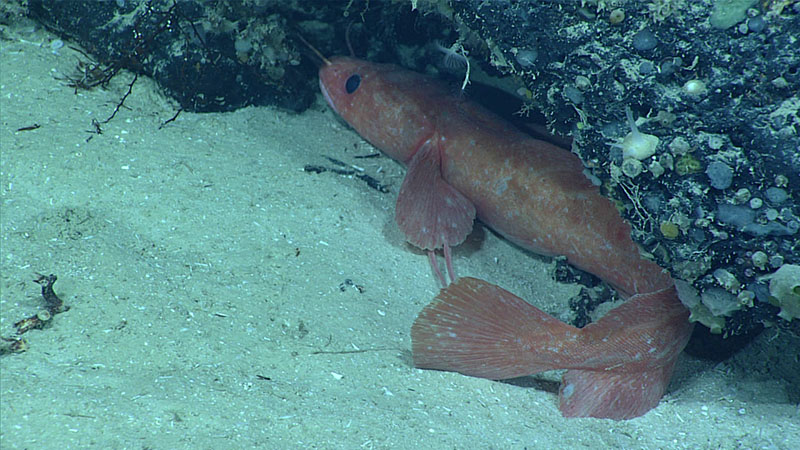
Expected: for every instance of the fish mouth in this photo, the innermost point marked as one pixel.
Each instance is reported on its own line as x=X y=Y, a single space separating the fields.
x=327 y=96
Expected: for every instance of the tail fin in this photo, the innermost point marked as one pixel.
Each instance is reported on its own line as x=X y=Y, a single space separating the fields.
x=628 y=381
x=620 y=366
x=481 y=330
x=612 y=395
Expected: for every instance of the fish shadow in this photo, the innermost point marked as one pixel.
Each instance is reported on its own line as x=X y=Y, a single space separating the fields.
x=536 y=382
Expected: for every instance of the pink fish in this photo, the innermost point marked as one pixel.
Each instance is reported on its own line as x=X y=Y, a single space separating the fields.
x=465 y=162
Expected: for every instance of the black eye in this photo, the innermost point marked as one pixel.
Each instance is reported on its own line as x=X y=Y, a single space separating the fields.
x=352 y=83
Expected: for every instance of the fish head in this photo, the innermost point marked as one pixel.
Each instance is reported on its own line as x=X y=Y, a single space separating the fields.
x=340 y=83
x=378 y=101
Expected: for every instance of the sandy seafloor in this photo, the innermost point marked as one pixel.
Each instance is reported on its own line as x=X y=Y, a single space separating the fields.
x=206 y=274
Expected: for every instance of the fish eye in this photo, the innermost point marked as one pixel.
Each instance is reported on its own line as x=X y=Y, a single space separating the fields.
x=352 y=83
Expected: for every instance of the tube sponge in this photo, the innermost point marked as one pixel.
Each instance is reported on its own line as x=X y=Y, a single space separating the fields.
x=636 y=144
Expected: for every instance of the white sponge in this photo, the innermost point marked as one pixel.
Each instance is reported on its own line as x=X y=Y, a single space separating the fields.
x=636 y=144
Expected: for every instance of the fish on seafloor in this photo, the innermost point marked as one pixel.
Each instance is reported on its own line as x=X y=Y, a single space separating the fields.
x=465 y=162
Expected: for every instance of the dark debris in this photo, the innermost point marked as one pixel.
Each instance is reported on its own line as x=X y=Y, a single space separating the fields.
x=52 y=305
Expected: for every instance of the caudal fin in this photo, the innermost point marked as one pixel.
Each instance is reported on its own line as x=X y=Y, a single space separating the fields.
x=619 y=368
x=612 y=395
x=481 y=330
x=629 y=370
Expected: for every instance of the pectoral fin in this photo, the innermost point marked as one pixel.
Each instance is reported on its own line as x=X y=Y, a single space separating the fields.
x=431 y=213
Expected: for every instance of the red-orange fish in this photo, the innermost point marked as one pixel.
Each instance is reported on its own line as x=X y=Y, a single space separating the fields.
x=463 y=161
